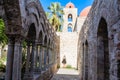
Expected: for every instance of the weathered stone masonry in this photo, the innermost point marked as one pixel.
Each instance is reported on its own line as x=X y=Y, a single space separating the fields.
x=101 y=32
x=25 y=20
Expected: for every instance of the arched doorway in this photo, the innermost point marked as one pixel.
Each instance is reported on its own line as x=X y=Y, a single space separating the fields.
x=83 y=61
x=86 y=60
x=102 y=51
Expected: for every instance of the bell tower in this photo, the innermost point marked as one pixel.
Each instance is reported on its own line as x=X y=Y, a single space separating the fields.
x=69 y=17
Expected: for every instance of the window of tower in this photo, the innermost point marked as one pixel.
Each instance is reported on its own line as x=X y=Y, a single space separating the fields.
x=69 y=6
x=70 y=17
x=69 y=28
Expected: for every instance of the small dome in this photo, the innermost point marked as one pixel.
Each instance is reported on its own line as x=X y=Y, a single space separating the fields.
x=85 y=11
x=70 y=5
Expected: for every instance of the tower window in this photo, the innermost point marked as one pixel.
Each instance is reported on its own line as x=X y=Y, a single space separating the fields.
x=70 y=17
x=69 y=28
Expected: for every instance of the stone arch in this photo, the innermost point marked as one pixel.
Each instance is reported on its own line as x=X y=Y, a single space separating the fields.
x=43 y=27
x=70 y=18
x=33 y=5
x=37 y=20
x=45 y=40
x=32 y=8
x=33 y=18
x=31 y=33
x=40 y=39
x=103 y=64
x=30 y=50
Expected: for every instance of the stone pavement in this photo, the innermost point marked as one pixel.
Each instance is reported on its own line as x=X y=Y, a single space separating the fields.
x=66 y=74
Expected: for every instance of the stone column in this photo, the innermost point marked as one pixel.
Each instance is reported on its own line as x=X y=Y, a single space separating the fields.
x=36 y=59
x=45 y=52
x=28 y=58
x=47 y=57
x=40 y=57
x=16 y=75
x=53 y=55
x=33 y=57
x=9 y=64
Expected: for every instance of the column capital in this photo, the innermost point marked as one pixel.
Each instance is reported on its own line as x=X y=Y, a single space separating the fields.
x=18 y=39
x=11 y=40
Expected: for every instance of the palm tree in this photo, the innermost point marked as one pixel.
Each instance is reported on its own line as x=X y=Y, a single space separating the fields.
x=55 y=15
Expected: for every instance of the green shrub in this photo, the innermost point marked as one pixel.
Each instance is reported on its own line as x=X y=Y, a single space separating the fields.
x=2 y=64
x=58 y=66
x=68 y=66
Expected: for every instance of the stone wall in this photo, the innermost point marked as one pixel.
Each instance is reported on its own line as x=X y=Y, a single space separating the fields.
x=68 y=48
x=102 y=11
x=1 y=8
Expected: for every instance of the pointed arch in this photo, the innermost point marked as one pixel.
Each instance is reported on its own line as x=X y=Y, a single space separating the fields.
x=40 y=37
x=102 y=51
x=31 y=33
x=45 y=40
x=86 y=60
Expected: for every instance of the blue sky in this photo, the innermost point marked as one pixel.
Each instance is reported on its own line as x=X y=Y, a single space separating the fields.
x=80 y=4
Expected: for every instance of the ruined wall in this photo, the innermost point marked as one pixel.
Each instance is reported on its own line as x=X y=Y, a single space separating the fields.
x=1 y=9
x=108 y=10
x=26 y=22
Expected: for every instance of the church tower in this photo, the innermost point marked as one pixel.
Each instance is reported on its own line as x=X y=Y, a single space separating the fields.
x=69 y=17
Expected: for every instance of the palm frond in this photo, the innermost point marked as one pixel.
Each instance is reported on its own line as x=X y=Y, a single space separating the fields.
x=55 y=15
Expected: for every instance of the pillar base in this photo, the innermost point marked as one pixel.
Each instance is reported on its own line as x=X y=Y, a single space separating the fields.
x=28 y=76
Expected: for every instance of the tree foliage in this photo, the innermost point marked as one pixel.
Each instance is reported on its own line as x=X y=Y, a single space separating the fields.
x=3 y=37
x=55 y=15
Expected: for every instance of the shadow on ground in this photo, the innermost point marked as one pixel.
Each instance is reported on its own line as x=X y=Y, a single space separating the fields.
x=65 y=77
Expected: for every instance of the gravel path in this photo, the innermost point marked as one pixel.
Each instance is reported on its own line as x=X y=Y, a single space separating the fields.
x=66 y=74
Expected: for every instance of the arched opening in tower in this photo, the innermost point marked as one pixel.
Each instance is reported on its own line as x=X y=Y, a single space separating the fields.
x=102 y=51
x=70 y=18
x=69 y=28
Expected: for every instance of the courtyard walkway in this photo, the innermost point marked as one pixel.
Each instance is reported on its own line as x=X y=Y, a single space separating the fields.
x=66 y=74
